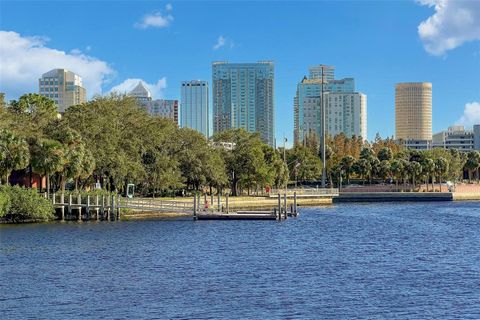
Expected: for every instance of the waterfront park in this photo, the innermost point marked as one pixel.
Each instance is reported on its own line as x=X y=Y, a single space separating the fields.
x=110 y=146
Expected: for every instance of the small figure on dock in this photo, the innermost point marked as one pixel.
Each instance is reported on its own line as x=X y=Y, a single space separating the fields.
x=206 y=204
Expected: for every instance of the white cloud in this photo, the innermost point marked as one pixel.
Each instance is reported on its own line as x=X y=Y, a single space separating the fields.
x=220 y=43
x=155 y=20
x=169 y=7
x=471 y=114
x=156 y=89
x=25 y=59
x=453 y=23
x=223 y=41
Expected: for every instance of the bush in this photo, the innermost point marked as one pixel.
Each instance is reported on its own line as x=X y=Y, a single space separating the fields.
x=25 y=205
x=4 y=204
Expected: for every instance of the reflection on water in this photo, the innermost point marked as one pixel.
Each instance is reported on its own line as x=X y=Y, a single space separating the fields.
x=415 y=261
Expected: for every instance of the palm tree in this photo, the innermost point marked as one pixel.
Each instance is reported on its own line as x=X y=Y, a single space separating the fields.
x=384 y=169
x=346 y=165
x=441 y=168
x=385 y=154
x=14 y=153
x=363 y=168
x=473 y=163
x=396 y=167
x=415 y=169
x=428 y=167
x=48 y=157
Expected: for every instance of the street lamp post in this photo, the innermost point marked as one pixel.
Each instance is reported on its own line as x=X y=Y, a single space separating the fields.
x=285 y=159
x=324 y=167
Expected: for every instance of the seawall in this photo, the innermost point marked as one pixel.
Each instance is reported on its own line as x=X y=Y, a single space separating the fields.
x=392 y=196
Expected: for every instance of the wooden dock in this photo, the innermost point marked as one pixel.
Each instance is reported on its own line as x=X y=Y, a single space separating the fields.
x=279 y=213
x=108 y=208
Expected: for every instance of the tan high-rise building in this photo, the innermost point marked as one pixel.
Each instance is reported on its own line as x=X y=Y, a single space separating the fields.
x=64 y=87
x=413 y=111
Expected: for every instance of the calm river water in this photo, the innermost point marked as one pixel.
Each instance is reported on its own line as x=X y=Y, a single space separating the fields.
x=359 y=261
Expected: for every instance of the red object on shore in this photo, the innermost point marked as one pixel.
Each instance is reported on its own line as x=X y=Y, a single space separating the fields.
x=206 y=204
x=267 y=189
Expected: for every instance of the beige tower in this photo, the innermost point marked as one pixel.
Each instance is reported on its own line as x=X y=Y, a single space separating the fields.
x=64 y=87
x=413 y=111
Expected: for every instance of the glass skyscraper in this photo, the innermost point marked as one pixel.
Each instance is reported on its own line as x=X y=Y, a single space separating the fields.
x=194 y=107
x=345 y=109
x=243 y=97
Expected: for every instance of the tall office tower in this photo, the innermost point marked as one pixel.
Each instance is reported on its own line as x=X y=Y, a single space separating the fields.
x=243 y=97
x=64 y=87
x=413 y=114
x=159 y=107
x=141 y=93
x=322 y=71
x=194 y=108
x=345 y=109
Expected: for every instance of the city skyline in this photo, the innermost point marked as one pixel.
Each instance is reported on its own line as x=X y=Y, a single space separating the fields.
x=384 y=44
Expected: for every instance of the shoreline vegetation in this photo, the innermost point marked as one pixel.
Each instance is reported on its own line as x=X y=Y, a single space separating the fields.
x=112 y=142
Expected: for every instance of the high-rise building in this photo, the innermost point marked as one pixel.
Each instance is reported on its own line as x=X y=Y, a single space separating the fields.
x=345 y=109
x=243 y=97
x=194 y=108
x=64 y=87
x=141 y=93
x=163 y=108
x=413 y=114
x=159 y=107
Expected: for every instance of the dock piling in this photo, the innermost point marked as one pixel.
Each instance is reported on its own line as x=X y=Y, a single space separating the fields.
x=70 y=206
x=295 y=202
x=96 y=207
x=102 y=208
x=226 y=202
x=195 y=207
x=279 y=206
x=87 y=208
x=79 y=204
x=62 y=200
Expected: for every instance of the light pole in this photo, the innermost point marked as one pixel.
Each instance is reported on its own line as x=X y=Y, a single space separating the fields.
x=323 y=68
x=285 y=159
x=324 y=167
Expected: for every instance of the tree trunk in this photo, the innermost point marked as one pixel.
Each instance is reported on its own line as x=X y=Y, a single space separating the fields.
x=48 y=185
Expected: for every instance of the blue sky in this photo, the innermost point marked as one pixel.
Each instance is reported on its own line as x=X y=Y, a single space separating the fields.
x=379 y=43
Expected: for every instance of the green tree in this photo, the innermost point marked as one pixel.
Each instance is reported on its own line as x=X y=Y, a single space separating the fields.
x=472 y=164
x=428 y=168
x=48 y=157
x=14 y=154
x=363 y=168
x=441 y=169
x=384 y=169
x=347 y=166
x=385 y=154
x=414 y=169
x=304 y=164
x=32 y=113
x=397 y=169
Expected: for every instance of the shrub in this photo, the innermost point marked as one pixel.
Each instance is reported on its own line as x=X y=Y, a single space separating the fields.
x=4 y=203
x=26 y=205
